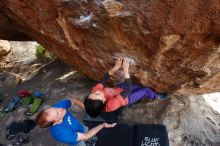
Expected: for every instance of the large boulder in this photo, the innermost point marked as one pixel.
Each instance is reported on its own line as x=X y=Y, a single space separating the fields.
x=5 y=48
x=172 y=45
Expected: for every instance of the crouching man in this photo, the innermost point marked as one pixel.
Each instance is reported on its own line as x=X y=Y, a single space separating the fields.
x=64 y=127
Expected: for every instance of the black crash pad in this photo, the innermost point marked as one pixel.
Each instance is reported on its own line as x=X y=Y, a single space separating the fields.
x=129 y=135
x=109 y=117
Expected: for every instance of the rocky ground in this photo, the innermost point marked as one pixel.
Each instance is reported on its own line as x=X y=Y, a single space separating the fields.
x=190 y=121
x=50 y=80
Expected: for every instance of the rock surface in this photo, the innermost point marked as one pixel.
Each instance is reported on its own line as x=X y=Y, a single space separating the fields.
x=8 y=80
x=172 y=45
x=23 y=52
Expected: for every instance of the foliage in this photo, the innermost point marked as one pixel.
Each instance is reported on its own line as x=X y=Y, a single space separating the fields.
x=43 y=55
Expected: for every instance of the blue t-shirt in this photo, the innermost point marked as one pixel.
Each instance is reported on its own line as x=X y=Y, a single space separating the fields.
x=66 y=132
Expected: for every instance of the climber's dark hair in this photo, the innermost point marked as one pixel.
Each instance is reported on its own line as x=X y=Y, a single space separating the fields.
x=93 y=107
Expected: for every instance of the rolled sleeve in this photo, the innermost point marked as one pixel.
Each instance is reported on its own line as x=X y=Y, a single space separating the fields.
x=97 y=87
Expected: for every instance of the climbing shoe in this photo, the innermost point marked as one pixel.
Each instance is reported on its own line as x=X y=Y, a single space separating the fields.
x=24 y=93
x=38 y=94
x=13 y=104
x=162 y=96
x=35 y=106
x=27 y=100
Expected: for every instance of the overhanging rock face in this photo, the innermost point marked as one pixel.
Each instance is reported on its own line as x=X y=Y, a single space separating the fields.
x=172 y=45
